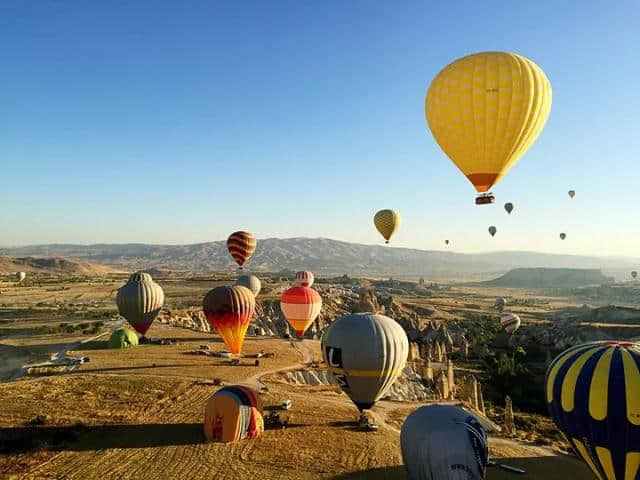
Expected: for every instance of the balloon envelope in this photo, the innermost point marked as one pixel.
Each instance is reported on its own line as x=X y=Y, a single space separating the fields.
x=500 y=303
x=123 y=338
x=444 y=442
x=508 y=207
x=304 y=278
x=446 y=242
x=572 y=193
x=241 y=246
x=365 y=374
x=593 y=395
x=485 y=110
x=300 y=306
x=510 y=322
x=251 y=282
x=634 y=274
x=233 y=413
x=492 y=230
x=563 y=236
x=229 y=311
x=387 y=222
x=139 y=301
x=20 y=276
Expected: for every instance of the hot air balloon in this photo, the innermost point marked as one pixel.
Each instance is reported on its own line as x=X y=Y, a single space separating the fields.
x=485 y=111
x=387 y=222
x=500 y=303
x=300 y=306
x=233 y=413
x=304 y=278
x=563 y=236
x=241 y=246
x=439 y=442
x=20 y=276
x=492 y=230
x=593 y=395
x=634 y=274
x=508 y=207
x=446 y=242
x=572 y=193
x=365 y=352
x=139 y=301
x=251 y=282
x=229 y=311
x=510 y=322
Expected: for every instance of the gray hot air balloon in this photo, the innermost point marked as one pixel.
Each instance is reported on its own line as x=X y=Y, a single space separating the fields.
x=139 y=301
x=443 y=442
x=492 y=230
x=251 y=282
x=365 y=352
x=500 y=303
x=563 y=236
x=20 y=276
x=634 y=274
x=508 y=207
x=572 y=193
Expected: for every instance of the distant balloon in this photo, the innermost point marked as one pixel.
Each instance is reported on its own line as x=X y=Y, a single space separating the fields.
x=634 y=274
x=304 y=278
x=485 y=110
x=508 y=207
x=229 y=311
x=251 y=282
x=139 y=301
x=563 y=236
x=510 y=322
x=593 y=395
x=444 y=442
x=300 y=306
x=492 y=230
x=500 y=303
x=572 y=193
x=446 y=242
x=365 y=374
x=241 y=246
x=387 y=222
x=20 y=276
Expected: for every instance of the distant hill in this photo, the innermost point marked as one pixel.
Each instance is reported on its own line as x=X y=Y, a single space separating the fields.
x=52 y=265
x=550 y=277
x=321 y=255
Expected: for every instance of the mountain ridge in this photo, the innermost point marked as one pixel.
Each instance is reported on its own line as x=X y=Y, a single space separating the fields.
x=322 y=255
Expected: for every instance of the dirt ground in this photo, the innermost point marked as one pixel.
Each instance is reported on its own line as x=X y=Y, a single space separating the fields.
x=137 y=413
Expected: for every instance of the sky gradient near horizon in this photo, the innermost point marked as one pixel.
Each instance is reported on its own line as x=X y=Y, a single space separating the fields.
x=172 y=122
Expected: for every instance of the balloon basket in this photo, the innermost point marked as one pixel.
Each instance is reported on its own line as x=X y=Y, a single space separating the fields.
x=485 y=198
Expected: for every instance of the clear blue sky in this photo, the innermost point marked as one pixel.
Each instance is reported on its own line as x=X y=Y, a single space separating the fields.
x=179 y=122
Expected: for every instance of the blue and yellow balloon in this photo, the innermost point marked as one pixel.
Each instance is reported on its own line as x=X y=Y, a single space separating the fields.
x=593 y=395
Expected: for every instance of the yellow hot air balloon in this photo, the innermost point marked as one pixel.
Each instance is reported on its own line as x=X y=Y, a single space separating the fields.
x=485 y=110
x=387 y=222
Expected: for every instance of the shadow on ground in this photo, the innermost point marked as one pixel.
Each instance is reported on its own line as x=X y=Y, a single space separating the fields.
x=386 y=473
x=560 y=467
x=79 y=438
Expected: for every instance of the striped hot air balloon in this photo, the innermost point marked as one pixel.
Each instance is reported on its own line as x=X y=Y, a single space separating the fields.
x=300 y=306
x=229 y=311
x=593 y=395
x=510 y=322
x=251 y=282
x=241 y=246
x=365 y=352
x=233 y=413
x=387 y=222
x=305 y=278
x=139 y=301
